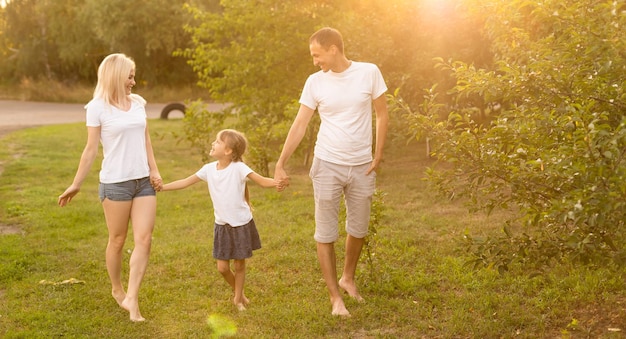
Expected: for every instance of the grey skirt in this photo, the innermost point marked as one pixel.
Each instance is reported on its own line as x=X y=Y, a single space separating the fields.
x=235 y=242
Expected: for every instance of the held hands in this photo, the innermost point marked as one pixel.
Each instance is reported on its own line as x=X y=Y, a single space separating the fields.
x=281 y=179
x=156 y=182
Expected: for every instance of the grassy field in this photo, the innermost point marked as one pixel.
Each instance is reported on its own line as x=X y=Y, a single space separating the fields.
x=415 y=283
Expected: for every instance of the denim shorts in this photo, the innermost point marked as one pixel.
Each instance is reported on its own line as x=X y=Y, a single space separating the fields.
x=126 y=190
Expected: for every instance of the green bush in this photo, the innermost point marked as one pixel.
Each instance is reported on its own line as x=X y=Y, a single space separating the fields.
x=542 y=133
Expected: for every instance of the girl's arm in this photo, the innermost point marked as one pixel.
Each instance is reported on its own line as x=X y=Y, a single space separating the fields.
x=182 y=183
x=262 y=181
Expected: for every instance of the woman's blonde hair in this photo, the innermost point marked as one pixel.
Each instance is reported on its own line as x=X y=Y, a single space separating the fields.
x=113 y=72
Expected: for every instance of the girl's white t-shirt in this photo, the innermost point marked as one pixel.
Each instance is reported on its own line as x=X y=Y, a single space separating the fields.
x=123 y=138
x=344 y=102
x=227 y=190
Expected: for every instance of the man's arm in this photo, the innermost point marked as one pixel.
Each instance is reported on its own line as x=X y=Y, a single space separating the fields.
x=382 y=121
x=294 y=137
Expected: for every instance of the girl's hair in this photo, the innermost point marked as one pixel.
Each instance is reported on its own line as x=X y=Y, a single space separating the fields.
x=327 y=37
x=237 y=143
x=113 y=72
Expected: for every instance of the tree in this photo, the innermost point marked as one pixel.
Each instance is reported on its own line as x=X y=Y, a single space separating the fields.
x=553 y=148
x=253 y=55
x=66 y=40
x=149 y=32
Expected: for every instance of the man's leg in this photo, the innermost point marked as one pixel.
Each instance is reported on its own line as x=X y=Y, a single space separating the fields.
x=353 y=252
x=358 y=196
x=328 y=265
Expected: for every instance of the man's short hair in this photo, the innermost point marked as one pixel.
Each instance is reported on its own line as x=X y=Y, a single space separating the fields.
x=327 y=37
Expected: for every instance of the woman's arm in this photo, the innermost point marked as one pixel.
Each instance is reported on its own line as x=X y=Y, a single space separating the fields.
x=155 y=176
x=86 y=161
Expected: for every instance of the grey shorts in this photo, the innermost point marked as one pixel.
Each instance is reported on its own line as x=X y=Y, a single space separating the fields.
x=330 y=182
x=126 y=190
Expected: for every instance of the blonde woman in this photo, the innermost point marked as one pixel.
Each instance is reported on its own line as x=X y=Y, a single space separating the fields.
x=128 y=176
x=235 y=233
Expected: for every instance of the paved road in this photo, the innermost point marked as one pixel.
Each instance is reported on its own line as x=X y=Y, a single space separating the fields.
x=21 y=114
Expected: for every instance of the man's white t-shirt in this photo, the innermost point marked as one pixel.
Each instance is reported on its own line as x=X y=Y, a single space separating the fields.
x=123 y=138
x=227 y=189
x=344 y=102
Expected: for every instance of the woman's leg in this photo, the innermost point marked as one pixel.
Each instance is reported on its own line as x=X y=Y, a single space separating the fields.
x=117 y=214
x=142 y=215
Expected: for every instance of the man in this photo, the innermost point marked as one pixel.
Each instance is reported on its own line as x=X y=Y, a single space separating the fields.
x=343 y=93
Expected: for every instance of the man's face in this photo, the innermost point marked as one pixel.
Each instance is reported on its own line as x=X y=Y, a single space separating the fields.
x=322 y=57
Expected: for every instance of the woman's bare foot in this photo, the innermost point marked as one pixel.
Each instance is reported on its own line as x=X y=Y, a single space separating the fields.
x=133 y=308
x=351 y=290
x=119 y=296
x=240 y=307
x=339 y=308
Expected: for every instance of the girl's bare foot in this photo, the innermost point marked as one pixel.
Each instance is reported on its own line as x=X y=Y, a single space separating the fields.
x=133 y=308
x=339 y=308
x=241 y=303
x=351 y=290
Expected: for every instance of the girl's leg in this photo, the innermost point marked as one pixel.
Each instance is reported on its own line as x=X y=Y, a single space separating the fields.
x=240 y=299
x=143 y=214
x=223 y=266
x=116 y=214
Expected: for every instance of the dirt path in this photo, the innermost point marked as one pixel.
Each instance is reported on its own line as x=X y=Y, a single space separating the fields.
x=16 y=115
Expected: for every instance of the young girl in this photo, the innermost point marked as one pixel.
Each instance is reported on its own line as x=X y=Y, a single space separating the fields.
x=235 y=234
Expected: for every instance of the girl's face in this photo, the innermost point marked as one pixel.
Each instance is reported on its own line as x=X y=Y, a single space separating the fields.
x=130 y=82
x=219 y=149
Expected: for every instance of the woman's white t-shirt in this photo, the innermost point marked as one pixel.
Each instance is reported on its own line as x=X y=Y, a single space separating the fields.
x=344 y=102
x=227 y=189
x=123 y=138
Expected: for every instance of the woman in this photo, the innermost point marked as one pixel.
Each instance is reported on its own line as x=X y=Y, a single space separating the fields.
x=128 y=177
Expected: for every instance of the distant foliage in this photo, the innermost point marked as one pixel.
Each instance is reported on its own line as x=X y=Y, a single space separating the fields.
x=66 y=40
x=542 y=132
x=254 y=55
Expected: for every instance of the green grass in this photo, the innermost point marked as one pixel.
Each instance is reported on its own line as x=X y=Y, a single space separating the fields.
x=416 y=285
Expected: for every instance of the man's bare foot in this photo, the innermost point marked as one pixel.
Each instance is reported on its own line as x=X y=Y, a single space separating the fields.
x=133 y=308
x=339 y=308
x=119 y=296
x=240 y=307
x=351 y=290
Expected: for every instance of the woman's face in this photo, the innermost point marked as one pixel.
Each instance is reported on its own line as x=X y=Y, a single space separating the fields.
x=130 y=82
